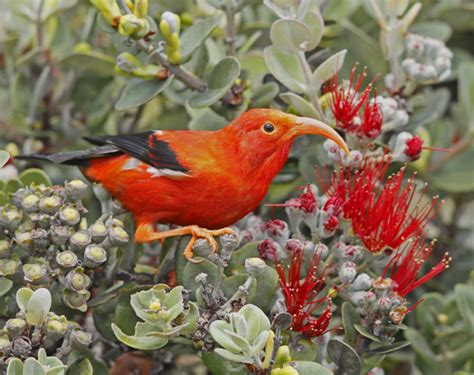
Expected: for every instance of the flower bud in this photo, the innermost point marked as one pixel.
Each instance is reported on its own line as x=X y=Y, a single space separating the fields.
x=60 y=235
x=131 y=25
x=67 y=259
x=55 y=326
x=362 y=282
x=79 y=240
x=21 y=347
x=397 y=314
x=24 y=240
x=170 y=27
x=269 y=249
x=283 y=357
x=9 y=267
x=357 y=297
x=50 y=205
x=69 y=215
x=230 y=242
x=5 y=343
x=15 y=327
x=277 y=230
x=11 y=217
x=40 y=239
x=77 y=280
x=128 y=65
x=94 y=256
x=108 y=9
x=382 y=284
x=5 y=249
x=18 y=196
x=118 y=236
x=41 y=220
x=254 y=266
x=98 y=231
x=35 y=273
x=80 y=339
x=348 y=272
x=321 y=250
x=141 y=8
x=76 y=300
x=30 y=203
x=384 y=303
x=75 y=189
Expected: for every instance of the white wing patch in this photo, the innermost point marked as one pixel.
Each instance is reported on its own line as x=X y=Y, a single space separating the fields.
x=165 y=172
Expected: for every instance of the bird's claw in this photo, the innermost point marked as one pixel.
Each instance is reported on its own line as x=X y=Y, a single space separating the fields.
x=208 y=235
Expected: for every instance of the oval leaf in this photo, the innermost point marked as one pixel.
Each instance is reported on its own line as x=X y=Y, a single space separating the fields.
x=38 y=306
x=139 y=342
x=300 y=105
x=310 y=368
x=23 y=295
x=286 y=68
x=327 y=69
x=196 y=34
x=220 y=81
x=316 y=24
x=139 y=91
x=34 y=176
x=346 y=359
x=291 y=35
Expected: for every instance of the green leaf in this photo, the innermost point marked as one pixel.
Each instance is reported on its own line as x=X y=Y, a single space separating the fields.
x=300 y=105
x=291 y=35
x=366 y=333
x=23 y=295
x=12 y=185
x=286 y=68
x=4 y=157
x=311 y=368
x=221 y=79
x=194 y=36
x=263 y=95
x=466 y=90
x=249 y=250
x=15 y=367
x=139 y=91
x=327 y=69
x=205 y=119
x=34 y=176
x=316 y=24
x=428 y=311
x=350 y=317
x=346 y=358
x=139 y=342
x=433 y=29
x=81 y=367
x=38 y=306
x=267 y=284
x=191 y=270
x=232 y=283
x=94 y=62
x=32 y=366
x=455 y=176
x=386 y=349
x=218 y=366
x=5 y=285
x=3 y=198
x=435 y=104
x=419 y=345
x=464 y=295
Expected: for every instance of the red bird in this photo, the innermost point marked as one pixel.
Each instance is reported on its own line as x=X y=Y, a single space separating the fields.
x=194 y=179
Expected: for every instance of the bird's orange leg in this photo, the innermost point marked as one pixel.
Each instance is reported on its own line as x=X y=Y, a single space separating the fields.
x=146 y=233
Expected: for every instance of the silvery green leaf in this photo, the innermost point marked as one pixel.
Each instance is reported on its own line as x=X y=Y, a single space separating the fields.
x=346 y=358
x=233 y=357
x=300 y=105
x=291 y=35
x=139 y=342
x=194 y=36
x=5 y=285
x=240 y=326
x=252 y=313
x=32 y=366
x=419 y=345
x=23 y=295
x=205 y=119
x=286 y=68
x=191 y=319
x=217 y=330
x=263 y=95
x=433 y=29
x=311 y=368
x=4 y=157
x=173 y=302
x=38 y=306
x=327 y=69
x=15 y=367
x=464 y=295
x=466 y=89
x=139 y=91
x=316 y=24
x=240 y=341
x=221 y=79
x=259 y=342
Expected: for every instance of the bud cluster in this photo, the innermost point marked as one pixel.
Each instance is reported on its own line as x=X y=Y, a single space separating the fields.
x=44 y=238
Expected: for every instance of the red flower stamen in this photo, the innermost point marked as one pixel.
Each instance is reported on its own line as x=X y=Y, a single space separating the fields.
x=405 y=266
x=346 y=102
x=414 y=147
x=371 y=126
x=301 y=295
x=382 y=215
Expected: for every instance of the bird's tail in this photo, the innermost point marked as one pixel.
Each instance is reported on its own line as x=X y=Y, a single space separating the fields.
x=80 y=158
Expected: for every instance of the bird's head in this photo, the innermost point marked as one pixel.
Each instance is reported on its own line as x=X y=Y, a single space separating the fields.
x=268 y=134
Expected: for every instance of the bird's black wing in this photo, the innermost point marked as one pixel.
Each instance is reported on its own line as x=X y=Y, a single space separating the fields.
x=146 y=147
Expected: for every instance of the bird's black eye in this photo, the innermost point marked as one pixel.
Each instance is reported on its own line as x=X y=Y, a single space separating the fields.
x=268 y=128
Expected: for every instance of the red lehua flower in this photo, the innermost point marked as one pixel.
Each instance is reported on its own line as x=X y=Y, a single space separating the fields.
x=405 y=266
x=331 y=224
x=382 y=215
x=301 y=295
x=414 y=148
x=346 y=101
x=306 y=202
x=372 y=121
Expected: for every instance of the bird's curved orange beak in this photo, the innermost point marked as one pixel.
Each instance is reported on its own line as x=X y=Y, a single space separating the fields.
x=307 y=125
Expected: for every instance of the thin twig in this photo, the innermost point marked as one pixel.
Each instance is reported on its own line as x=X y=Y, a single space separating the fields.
x=230 y=18
x=39 y=25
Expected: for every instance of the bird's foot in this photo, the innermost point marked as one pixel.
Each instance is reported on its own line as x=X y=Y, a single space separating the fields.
x=146 y=233
x=197 y=233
